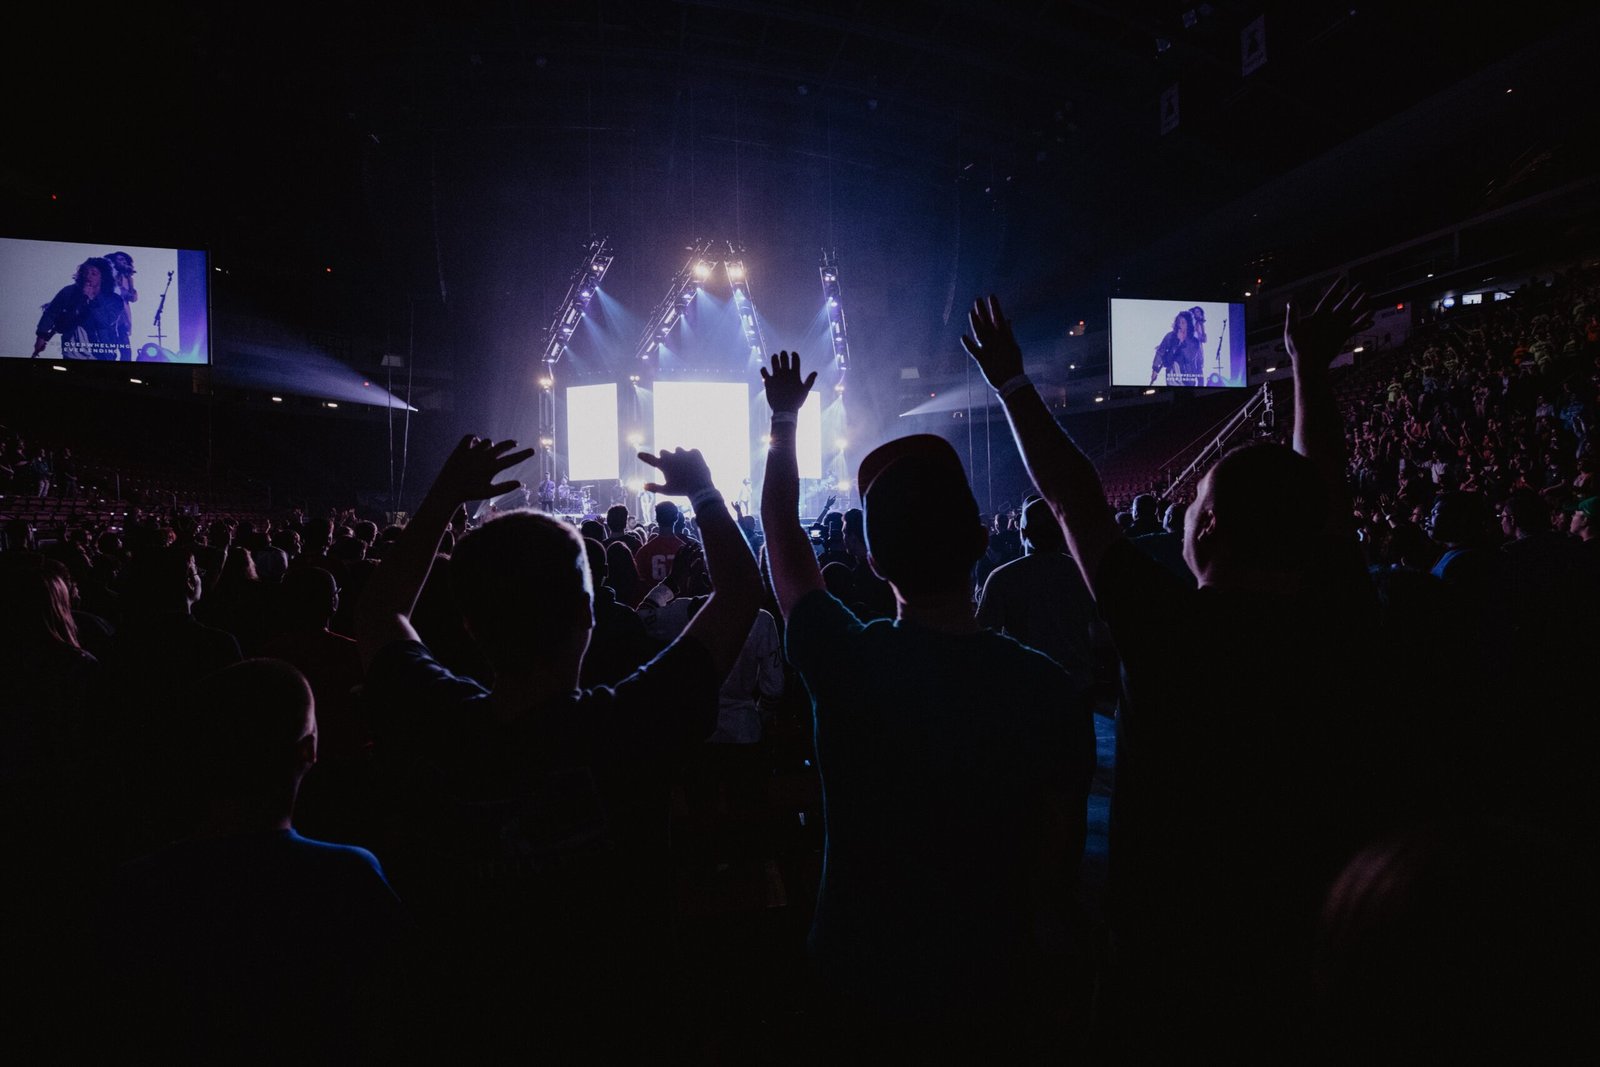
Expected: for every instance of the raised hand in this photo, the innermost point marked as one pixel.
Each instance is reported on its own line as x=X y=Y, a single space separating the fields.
x=684 y=470
x=785 y=389
x=470 y=471
x=1313 y=340
x=991 y=346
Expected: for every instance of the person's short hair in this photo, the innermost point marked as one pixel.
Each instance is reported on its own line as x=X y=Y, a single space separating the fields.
x=1124 y=519
x=308 y=597
x=514 y=580
x=248 y=719
x=1041 y=528
x=1458 y=518
x=367 y=531
x=1270 y=504
x=1529 y=511
x=1173 y=521
x=911 y=553
x=855 y=524
x=668 y=516
x=597 y=559
x=1144 y=506
x=617 y=519
x=593 y=528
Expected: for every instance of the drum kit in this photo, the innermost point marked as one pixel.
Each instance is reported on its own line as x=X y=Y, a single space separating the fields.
x=575 y=499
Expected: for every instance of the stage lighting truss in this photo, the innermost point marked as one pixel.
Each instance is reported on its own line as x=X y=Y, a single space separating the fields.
x=697 y=270
x=739 y=278
x=585 y=282
x=835 y=308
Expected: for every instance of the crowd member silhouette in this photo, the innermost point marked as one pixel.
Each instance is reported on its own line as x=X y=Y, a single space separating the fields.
x=246 y=940
x=1242 y=786
x=532 y=833
x=954 y=769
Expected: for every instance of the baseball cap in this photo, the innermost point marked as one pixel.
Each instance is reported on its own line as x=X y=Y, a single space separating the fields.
x=926 y=449
x=1586 y=506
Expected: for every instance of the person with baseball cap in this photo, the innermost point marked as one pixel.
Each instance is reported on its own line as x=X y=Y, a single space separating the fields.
x=955 y=774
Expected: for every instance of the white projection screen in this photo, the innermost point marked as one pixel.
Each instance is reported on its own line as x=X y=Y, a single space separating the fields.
x=713 y=417
x=592 y=433
x=808 y=437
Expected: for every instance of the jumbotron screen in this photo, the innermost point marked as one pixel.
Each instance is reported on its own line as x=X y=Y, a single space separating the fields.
x=1185 y=343
x=105 y=302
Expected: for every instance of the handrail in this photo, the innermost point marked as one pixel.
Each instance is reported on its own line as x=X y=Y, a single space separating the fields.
x=1261 y=399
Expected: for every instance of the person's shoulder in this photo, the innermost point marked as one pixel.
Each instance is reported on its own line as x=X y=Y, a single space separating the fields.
x=352 y=858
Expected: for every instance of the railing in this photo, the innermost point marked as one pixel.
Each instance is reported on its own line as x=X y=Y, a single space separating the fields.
x=1213 y=445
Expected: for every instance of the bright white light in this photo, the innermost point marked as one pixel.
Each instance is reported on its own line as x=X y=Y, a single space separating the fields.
x=277 y=400
x=1359 y=348
x=711 y=416
x=839 y=388
x=330 y=404
x=1269 y=370
x=735 y=272
x=1248 y=293
x=136 y=381
x=1099 y=400
x=636 y=440
x=766 y=439
x=844 y=485
x=1072 y=366
x=841 y=443
x=636 y=484
x=592 y=431
x=545 y=383
x=808 y=438
x=633 y=377
x=702 y=270
x=1152 y=392
x=60 y=368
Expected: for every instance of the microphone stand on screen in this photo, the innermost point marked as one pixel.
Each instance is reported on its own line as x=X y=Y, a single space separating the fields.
x=1216 y=375
x=157 y=353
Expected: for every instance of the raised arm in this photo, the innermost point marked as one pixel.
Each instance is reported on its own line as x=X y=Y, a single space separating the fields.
x=1313 y=341
x=794 y=566
x=724 y=622
x=384 y=614
x=1062 y=474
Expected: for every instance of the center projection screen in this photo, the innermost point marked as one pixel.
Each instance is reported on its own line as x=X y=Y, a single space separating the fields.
x=713 y=417
x=592 y=433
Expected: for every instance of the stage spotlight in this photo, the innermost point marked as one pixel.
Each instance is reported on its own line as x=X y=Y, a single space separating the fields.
x=277 y=400
x=702 y=270
x=636 y=440
x=136 y=381
x=1099 y=400
x=839 y=388
x=636 y=484
x=330 y=404
x=1152 y=392
x=766 y=439
x=546 y=382
x=1359 y=348
x=633 y=378
x=736 y=272
x=60 y=368
x=841 y=442
x=844 y=485
x=548 y=442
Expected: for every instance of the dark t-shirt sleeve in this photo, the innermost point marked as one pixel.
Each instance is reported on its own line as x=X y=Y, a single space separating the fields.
x=670 y=701
x=818 y=638
x=407 y=690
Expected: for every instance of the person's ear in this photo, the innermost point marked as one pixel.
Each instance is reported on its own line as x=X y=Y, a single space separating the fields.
x=1205 y=534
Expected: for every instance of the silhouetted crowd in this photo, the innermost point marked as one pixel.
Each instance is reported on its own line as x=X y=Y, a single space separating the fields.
x=321 y=790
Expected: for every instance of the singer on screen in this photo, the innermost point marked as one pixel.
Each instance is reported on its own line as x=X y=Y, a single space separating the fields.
x=87 y=314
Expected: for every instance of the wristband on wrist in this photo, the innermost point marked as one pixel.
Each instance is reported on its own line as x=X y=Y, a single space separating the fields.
x=703 y=497
x=1011 y=385
x=785 y=418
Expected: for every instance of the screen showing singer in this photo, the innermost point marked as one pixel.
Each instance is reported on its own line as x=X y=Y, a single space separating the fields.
x=1184 y=343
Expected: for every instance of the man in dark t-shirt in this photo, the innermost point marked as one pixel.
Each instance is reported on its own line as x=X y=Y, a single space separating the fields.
x=955 y=769
x=535 y=812
x=246 y=941
x=1247 y=768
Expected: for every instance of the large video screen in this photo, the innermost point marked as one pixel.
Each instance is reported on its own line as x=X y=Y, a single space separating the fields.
x=1182 y=343
x=713 y=417
x=808 y=436
x=592 y=433
x=106 y=302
